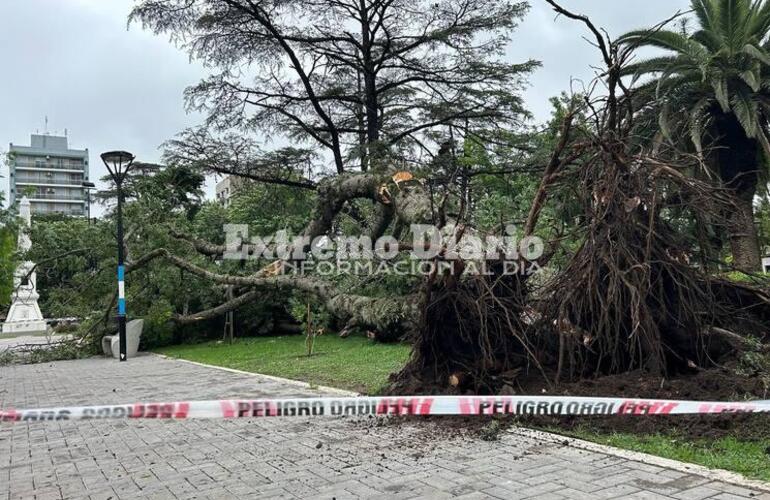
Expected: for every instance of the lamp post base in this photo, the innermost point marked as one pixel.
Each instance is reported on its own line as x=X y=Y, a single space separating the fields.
x=122 y=337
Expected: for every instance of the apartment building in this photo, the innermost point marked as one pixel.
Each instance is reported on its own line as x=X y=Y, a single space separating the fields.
x=227 y=187
x=50 y=174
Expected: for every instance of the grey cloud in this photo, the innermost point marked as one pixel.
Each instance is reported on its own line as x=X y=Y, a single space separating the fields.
x=75 y=62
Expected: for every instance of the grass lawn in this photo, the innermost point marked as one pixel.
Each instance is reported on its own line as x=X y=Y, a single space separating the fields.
x=354 y=363
x=750 y=458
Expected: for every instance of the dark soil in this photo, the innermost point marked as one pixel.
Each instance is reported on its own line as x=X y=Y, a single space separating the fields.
x=746 y=427
x=719 y=384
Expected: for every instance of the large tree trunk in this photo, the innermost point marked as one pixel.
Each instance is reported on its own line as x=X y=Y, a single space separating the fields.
x=739 y=163
x=744 y=241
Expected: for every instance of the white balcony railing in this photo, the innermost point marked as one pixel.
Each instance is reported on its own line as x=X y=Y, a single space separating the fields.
x=48 y=181
x=23 y=164
x=56 y=196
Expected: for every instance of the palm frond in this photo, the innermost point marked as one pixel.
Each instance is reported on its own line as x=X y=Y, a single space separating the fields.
x=663 y=39
x=757 y=53
x=719 y=84
x=699 y=119
x=648 y=91
x=657 y=65
x=707 y=14
x=734 y=22
x=760 y=22
x=708 y=39
x=746 y=111
x=723 y=67
x=752 y=79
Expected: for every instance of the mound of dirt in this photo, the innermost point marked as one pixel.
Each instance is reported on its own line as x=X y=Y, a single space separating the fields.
x=719 y=384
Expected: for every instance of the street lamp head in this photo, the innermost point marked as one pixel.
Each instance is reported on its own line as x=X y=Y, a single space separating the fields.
x=118 y=163
x=88 y=185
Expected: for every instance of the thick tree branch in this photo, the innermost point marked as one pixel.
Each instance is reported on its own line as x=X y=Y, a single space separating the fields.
x=201 y=246
x=389 y=314
x=554 y=165
x=218 y=311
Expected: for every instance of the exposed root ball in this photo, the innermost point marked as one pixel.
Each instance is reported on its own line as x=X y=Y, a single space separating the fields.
x=472 y=337
x=630 y=297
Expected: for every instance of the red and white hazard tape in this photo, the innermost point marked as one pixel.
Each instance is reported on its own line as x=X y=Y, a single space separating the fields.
x=391 y=405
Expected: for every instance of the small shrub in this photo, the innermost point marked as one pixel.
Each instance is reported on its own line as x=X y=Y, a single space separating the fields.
x=158 y=328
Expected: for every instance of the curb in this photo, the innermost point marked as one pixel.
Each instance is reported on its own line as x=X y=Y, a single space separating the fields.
x=296 y=383
x=635 y=456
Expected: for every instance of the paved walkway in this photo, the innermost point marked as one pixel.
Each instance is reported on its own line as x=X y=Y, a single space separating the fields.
x=8 y=342
x=285 y=457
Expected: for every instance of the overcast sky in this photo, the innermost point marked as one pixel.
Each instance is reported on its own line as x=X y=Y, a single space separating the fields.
x=76 y=62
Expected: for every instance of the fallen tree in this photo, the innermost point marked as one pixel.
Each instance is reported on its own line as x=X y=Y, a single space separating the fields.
x=630 y=296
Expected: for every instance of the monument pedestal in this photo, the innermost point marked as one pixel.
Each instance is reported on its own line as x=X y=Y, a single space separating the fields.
x=25 y=316
x=36 y=327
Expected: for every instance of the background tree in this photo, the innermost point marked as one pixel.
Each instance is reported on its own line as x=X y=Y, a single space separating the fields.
x=353 y=78
x=8 y=259
x=714 y=89
x=76 y=257
x=379 y=86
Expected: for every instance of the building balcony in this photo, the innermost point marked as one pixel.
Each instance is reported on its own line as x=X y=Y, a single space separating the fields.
x=75 y=212
x=57 y=197
x=27 y=181
x=33 y=168
x=48 y=165
x=58 y=200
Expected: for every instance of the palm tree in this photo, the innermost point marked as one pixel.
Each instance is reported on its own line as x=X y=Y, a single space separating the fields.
x=713 y=85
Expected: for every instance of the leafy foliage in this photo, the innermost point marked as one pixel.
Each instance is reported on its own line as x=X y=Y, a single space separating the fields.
x=77 y=257
x=8 y=259
x=711 y=87
x=719 y=69
x=353 y=79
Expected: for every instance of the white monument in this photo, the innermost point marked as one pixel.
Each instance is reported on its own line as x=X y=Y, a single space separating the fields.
x=25 y=316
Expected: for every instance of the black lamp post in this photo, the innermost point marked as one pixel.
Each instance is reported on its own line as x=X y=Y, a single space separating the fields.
x=87 y=187
x=118 y=163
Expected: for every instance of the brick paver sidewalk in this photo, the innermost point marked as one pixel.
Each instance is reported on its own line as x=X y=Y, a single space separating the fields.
x=285 y=457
